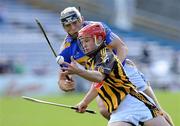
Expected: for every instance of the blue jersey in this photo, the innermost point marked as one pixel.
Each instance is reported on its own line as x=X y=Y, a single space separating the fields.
x=71 y=47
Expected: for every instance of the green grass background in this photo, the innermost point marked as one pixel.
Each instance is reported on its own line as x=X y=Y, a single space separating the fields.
x=14 y=111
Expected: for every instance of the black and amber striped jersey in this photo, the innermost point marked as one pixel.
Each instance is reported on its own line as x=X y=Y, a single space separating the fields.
x=116 y=84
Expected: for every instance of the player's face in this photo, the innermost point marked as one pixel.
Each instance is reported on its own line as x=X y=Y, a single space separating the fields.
x=73 y=27
x=87 y=44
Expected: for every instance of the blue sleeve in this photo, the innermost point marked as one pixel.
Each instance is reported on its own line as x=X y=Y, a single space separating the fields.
x=66 y=54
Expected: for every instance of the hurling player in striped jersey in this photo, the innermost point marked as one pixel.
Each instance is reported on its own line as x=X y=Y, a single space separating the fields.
x=128 y=107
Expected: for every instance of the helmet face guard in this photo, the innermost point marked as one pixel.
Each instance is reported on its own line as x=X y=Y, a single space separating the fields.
x=93 y=31
x=70 y=15
x=69 y=19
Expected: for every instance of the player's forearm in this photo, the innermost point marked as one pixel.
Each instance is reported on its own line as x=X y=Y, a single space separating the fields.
x=122 y=50
x=91 y=95
x=118 y=45
x=122 y=53
x=93 y=76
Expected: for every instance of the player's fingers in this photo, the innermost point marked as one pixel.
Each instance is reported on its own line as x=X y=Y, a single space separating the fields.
x=64 y=69
x=82 y=107
x=67 y=88
x=69 y=71
x=80 y=110
x=69 y=82
x=66 y=63
x=63 y=73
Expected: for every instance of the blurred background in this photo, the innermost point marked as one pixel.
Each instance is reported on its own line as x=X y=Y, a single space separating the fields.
x=151 y=29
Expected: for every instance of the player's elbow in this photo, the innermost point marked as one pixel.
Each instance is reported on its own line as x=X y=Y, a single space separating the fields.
x=99 y=80
x=96 y=79
x=120 y=46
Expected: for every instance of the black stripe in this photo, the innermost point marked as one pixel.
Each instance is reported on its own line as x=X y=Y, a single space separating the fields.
x=147 y=103
x=127 y=78
x=151 y=104
x=107 y=80
x=122 y=69
x=120 y=88
x=118 y=96
x=141 y=123
x=126 y=83
x=129 y=123
x=123 y=72
x=129 y=84
x=116 y=70
x=107 y=95
x=89 y=63
x=111 y=79
x=104 y=100
x=123 y=90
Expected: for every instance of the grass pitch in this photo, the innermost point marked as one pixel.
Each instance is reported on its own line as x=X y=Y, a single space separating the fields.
x=18 y=112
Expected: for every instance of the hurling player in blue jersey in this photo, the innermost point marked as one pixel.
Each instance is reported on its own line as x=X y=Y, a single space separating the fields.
x=72 y=22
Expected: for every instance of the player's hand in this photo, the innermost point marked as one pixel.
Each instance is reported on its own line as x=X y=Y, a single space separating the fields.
x=81 y=107
x=65 y=84
x=167 y=117
x=72 y=68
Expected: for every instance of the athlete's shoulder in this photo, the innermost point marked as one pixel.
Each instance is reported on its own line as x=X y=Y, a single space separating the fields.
x=67 y=41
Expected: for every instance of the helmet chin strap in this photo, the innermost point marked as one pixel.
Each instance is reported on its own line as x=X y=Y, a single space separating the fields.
x=96 y=42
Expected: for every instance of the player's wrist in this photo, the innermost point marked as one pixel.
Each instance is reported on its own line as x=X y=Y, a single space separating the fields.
x=84 y=102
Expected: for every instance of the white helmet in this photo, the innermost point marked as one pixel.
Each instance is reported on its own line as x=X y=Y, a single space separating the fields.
x=70 y=14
